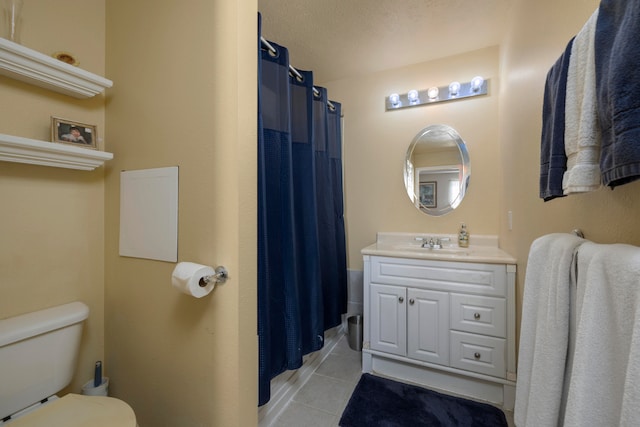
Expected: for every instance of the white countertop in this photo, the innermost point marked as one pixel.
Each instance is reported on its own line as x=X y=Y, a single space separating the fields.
x=482 y=248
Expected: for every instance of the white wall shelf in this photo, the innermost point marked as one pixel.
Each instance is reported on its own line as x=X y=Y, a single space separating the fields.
x=34 y=152
x=27 y=65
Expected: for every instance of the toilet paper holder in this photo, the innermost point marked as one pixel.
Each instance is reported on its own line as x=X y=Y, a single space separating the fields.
x=221 y=276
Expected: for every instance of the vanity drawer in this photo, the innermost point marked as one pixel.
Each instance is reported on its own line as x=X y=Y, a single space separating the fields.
x=478 y=314
x=478 y=353
x=467 y=277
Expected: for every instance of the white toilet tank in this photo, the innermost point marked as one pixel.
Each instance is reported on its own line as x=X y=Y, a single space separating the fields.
x=38 y=353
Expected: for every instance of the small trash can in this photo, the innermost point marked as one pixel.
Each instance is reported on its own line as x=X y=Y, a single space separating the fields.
x=102 y=390
x=355 y=332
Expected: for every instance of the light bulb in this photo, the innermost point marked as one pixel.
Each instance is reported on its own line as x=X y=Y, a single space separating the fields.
x=454 y=88
x=394 y=99
x=476 y=83
x=413 y=96
x=433 y=93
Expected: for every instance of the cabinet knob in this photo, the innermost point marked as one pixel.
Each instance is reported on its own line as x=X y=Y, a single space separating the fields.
x=476 y=316
x=401 y=299
x=476 y=355
x=411 y=301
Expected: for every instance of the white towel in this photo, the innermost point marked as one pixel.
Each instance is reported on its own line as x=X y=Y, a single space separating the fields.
x=604 y=385
x=582 y=134
x=544 y=330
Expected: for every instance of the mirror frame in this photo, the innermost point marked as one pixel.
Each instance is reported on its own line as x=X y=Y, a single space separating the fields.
x=463 y=168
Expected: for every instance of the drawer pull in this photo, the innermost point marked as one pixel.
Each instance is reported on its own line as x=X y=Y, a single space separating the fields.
x=412 y=301
x=401 y=299
x=476 y=355
x=476 y=316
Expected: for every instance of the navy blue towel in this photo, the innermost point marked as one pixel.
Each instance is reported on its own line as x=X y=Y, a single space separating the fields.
x=617 y=54
x=553 y=160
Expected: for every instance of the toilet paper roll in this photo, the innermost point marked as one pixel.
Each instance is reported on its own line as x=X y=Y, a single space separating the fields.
x=188 y=278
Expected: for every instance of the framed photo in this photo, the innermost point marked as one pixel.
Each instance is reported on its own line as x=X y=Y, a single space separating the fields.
x=70 y=132
x=428 y=194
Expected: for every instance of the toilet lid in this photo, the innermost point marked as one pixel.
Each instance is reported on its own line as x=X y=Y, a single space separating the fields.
x=74 y=410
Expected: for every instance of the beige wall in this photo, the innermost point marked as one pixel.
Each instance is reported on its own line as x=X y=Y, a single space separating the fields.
x=376 y=142
x=185 y=95
x=51 y=219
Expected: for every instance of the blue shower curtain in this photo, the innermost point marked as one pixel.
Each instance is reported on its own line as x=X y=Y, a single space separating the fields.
x=302 y=282
x=328 y=163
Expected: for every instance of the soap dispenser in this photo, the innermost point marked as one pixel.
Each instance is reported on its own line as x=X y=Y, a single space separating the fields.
x=463 y=236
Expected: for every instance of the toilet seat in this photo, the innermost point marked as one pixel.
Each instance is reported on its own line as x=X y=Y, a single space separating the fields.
x=74 y=410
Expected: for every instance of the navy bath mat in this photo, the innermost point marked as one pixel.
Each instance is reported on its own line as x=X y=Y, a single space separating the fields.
x=385 y=403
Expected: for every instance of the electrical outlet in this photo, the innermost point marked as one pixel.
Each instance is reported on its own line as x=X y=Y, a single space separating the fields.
x=510 y=220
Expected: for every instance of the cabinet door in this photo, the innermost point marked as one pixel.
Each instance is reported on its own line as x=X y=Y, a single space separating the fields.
x=428 y=326
x=388 y=319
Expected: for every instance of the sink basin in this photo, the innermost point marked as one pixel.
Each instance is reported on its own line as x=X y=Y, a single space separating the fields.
x=442 y=251
x=454 y=251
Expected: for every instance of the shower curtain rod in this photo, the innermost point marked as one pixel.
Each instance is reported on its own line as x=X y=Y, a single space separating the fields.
x=292 y=70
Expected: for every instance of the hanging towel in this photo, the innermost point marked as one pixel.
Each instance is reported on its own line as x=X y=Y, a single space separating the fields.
x=582 y=129
x=553 y=160
x=617 y=52
x=544 y=332
x=604 y=386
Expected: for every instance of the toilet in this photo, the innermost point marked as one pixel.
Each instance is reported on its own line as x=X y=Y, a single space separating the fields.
x=38 y=354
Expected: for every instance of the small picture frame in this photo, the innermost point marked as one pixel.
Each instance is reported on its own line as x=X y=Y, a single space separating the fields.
x=74 y=133
x=428 y=194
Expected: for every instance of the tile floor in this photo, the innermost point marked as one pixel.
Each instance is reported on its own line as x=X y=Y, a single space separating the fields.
x=321 y=401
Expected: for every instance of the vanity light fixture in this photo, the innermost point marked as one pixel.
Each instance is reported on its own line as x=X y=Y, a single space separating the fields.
x=394 y=99
x=476 y=83
x=455 y=90
x=413 y=96
x=433 y=93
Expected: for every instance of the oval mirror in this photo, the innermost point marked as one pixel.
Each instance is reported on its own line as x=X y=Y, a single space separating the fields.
x=437 y=170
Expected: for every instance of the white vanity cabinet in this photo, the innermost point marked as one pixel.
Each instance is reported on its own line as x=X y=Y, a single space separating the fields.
x=446 y=324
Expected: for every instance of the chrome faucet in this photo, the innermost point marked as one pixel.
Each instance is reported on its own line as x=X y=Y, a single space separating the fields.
x=429 y=242
x=440 y=240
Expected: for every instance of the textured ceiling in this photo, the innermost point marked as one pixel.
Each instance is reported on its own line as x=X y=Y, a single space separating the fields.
x=347 y=38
